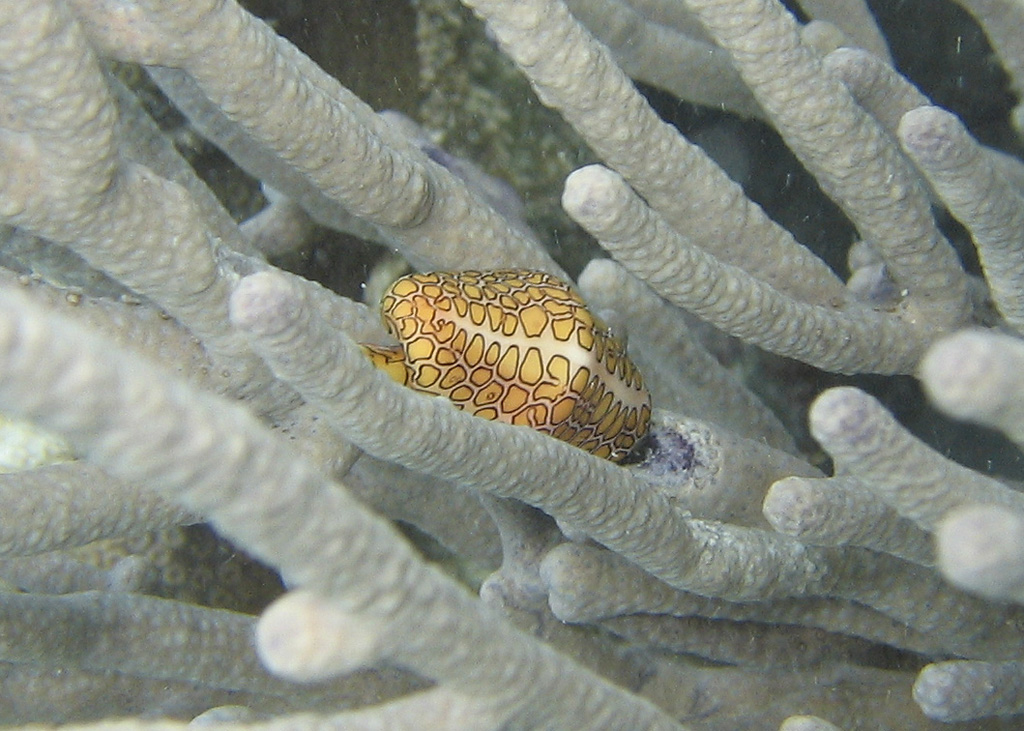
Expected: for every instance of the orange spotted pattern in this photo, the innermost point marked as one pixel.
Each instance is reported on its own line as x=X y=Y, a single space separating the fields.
x=516 y=346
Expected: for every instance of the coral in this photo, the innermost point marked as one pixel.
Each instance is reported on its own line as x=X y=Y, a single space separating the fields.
x=371 y=556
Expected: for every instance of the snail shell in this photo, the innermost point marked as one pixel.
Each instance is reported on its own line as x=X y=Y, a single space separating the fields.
x=516 y=346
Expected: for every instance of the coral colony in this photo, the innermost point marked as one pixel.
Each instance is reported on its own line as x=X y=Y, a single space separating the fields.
x=216 y=508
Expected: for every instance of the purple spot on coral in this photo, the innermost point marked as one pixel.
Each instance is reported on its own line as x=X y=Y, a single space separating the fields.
x=441 y=157
x=667 y=452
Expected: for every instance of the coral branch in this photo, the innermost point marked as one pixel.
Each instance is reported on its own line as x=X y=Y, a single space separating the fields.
x=969 y=183
x=728 y=297
x=979 y=376
x=67 y=182
x=144 y=427
x=851 y=157
x=589 y=495
x=839 y=512
x=675 y=177
x=865 y=440
x=335 y=141
x=981 y=550
x=964 y=691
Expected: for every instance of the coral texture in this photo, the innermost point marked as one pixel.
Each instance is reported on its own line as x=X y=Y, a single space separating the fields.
x=217 y=510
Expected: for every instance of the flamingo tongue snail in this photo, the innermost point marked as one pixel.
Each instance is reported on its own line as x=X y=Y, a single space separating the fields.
x=516 y=346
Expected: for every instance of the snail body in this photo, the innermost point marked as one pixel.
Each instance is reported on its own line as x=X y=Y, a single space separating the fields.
x=516 y=346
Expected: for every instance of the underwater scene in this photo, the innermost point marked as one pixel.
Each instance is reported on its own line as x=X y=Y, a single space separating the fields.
x=512 y=364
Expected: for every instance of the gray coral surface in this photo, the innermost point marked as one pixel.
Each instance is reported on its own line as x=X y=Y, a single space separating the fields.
x=806 y=217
